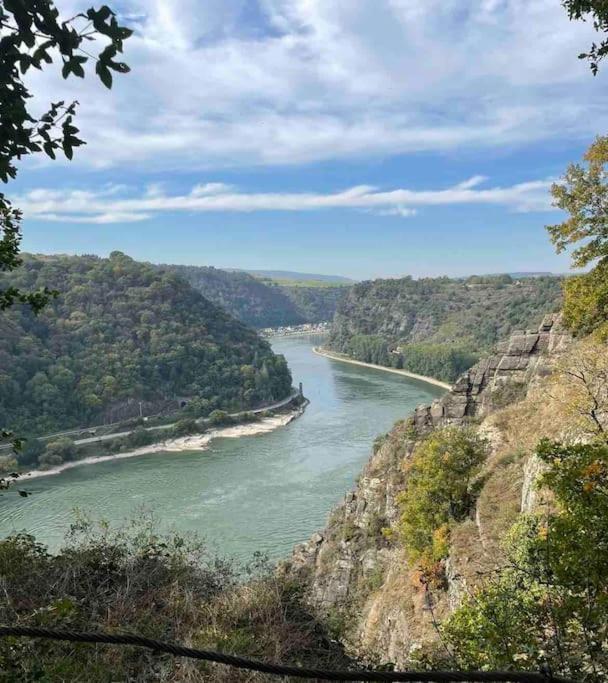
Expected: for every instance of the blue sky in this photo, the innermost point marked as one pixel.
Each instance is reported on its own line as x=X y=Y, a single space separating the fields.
x=358 y=137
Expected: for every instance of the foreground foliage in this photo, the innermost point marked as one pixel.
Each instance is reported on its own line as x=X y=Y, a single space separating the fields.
x=33 y=36
x=549 y=604
x=166 y=588
x=120 y=333
x=597 y=12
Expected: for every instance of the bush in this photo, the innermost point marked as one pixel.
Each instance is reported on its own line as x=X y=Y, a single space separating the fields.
x=138 y=438
x=219 y=417
x=549 y=605
x=162 y=587
x=30 y=452
x=440 y=490
x=57 y=452
x=186 y=427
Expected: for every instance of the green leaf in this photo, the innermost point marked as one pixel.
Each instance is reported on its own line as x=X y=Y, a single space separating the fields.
x=49 y=149
x=121 y=67
x=78 y=70
x=104 y=74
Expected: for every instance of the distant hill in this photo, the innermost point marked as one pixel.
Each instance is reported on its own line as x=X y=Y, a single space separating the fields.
x=263 y=302
x=294 y=276
x=119 y=333
x=532 y=274
x=438 y=326
x=515 y=276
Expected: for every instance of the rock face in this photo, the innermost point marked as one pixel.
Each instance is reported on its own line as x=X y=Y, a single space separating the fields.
x=500 y=379
x=358 y=577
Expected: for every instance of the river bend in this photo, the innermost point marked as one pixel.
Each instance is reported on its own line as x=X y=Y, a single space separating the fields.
x=257 y=493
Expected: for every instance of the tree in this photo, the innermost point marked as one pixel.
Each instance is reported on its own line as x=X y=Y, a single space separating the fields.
x=597 y=11
x=583 y=378
x=583 y=194
x=586 y=302
x=549 y=603
x=57 y=452
x=440 y=490
x=32 y=36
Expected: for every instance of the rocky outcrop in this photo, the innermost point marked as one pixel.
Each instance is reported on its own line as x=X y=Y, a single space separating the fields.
x=500 y=379
x=358 y=577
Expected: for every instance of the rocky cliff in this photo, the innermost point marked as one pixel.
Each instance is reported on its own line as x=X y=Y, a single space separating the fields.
x=355 y=569
x=502 y=378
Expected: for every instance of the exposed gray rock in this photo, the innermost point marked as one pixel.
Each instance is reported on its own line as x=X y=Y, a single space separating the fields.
x=485 y=386
x=341 y=565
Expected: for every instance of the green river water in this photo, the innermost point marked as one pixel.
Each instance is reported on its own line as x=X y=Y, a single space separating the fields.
x=256 y=493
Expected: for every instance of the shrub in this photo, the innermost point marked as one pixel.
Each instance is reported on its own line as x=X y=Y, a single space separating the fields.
x=186 y=427
x=162 y=587
x=57 y=452
x=139 y=437
x=30 y=452
x=219 y=417
x=440 y=490
x=549 y=605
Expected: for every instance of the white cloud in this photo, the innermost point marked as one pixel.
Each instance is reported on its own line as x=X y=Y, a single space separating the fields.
x=318 y=79
x=210 y=188
x=472 y=182
x=401 y=211
x=103 y=207
x=98 y=219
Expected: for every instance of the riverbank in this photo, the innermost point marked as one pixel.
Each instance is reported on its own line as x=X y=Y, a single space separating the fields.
x=411 y=375
x=197 y=442
x=262 y=493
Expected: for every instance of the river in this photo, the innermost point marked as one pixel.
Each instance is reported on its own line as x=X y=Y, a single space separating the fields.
x=257 y=493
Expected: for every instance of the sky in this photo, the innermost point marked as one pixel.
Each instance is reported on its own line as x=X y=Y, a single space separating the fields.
x=364 y=138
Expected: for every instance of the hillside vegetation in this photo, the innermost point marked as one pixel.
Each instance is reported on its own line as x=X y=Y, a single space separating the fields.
x=441 y=326
x=167 y=588
x=263 y=303
x=122 y=331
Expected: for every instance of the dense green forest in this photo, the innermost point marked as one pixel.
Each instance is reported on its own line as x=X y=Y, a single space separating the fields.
x=262 y=302
x=316 y=304
x=440 y=326
x=124 y=331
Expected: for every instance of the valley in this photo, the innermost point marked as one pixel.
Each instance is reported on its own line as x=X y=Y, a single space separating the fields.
x=242 y=495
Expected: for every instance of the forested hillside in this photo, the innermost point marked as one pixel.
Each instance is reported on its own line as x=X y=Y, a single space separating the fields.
x=316 y=304
x=262 y=303
x=123 y=331
x=439 y=326
x=246 y=298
